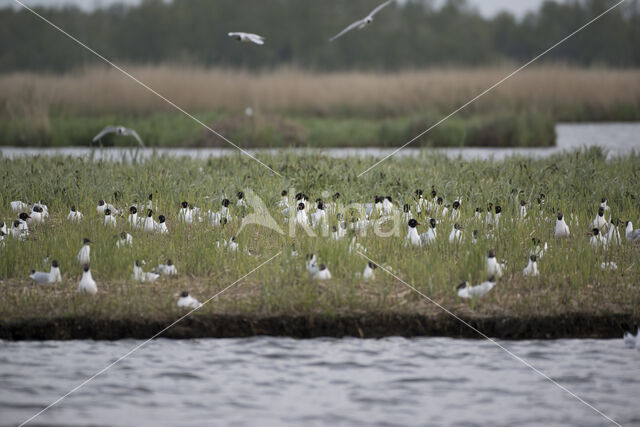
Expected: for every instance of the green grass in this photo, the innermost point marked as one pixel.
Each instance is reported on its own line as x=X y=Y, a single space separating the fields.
x=570 y=281
x=506 y=129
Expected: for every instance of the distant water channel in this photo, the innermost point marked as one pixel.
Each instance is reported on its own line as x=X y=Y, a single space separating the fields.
x=269 y=381
x=618 y=139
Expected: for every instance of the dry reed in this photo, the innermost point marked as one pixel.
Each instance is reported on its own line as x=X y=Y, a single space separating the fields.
x=98 y=90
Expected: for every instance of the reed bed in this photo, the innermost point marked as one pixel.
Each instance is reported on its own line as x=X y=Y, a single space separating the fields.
x=571 y=280
x=563 y=90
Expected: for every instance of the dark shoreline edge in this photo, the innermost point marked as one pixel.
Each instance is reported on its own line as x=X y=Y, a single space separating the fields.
x=372 y=325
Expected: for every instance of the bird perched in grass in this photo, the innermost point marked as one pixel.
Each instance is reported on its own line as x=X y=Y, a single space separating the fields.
x=596 y=238
x=133 y=217
x=523 y=209
x=161 y=226
x=187 y=301
x=631 y=234
x=87 y=284
x=311 y=265
x=142 y=276
x=74 y=215
x=37 y=215
x=561 y=229
x=18 y=206
x=494 y=268
x=126 y=239
x=599 y=222
x=109 y=220
x=456 y=233
x=613 y=236
x=84 y=254
x=149 y=224
x=368 y=273
x=103 y=206
x=431 y=234
x=323 y=273
x=531 y=270
x=167 y=269
x=466 y=291
x=52 y=276
x=413 y=237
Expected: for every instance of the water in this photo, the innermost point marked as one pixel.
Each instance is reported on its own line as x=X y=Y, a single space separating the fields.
x=281 y=381
x=618 y=139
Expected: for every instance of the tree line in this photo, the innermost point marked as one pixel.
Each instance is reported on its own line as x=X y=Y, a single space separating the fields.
x=410 y=34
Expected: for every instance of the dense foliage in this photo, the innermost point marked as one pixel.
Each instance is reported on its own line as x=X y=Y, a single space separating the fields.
x=410 y=34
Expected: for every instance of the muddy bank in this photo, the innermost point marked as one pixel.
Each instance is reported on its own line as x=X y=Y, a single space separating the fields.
x=364 y=326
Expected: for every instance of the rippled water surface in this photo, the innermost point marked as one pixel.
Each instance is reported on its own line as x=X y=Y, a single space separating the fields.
x=268 y=381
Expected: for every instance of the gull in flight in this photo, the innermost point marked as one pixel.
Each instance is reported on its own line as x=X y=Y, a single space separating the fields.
x=247 y=37
x=118 y=130
x=361 y=23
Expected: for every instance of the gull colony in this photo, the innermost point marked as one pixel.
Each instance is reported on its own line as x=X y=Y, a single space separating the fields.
x=423 y=217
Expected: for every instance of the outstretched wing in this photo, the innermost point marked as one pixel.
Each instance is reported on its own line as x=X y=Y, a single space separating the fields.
x=256 y=38
x=346 y=30
x=103 y=132
x=379 y=8
x=133 y=133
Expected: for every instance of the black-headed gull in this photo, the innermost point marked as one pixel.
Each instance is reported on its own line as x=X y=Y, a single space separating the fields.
x=37 y=215
x=613 y=236
x=494 y=268
x=74 y=215
x=561 y=229
x=456 y=233
x=247 y=37
x=126 y=239
x=103 y=206
x=87 y=284
x=108 y=218
x=284 y=199
x=133 y=217
x=368 y=273
x=142 y=276
x=596 y=238
x=361 y=23
x=523 y=209
x=311 y=265
x=532 y=267
x=323 y=273
x=18 y=206
x=167 y=269
x=51 y=277
x=631 y=234
x=599 y=221
x=466 y=291
x=412 y=234
x=84 y=254
x=118 y=130
x=431 y=234
x=162 y=225
x=149 y=224
x=301 y=215
x=187 y=301
x=489 y=216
